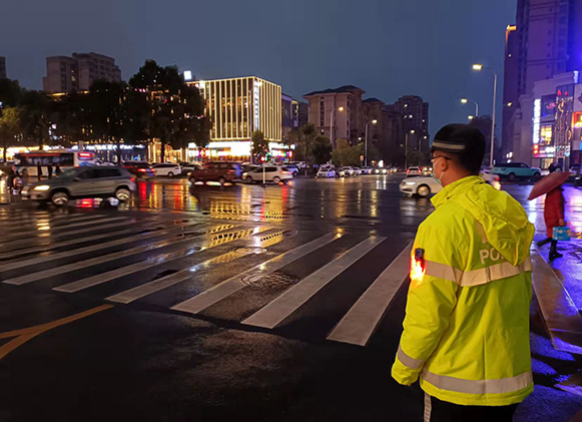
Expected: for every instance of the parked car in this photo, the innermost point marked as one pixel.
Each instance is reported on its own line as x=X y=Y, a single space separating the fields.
x=140 y=169
x=426 y=171
x=357 y=171
x=421 y=186
x=218 y=171
x=414 y=171
x=299 y=164
x=367 y=170
x=293 y=169
x=346 y=172
x=187 y=167
x=426 y=186
x=325 y=172
x=167 y=169
x=487 y=175
x=269 y=173
x=83 y=182
x=575 y=175
x=514 y=171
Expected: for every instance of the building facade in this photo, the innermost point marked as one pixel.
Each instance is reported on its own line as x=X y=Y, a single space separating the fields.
x=289 y=113
x=2 y=67
x=545 y=42
x=414 y=112
x=77 y=73
x=93 y=66
x=337 y=113
x=237 y=107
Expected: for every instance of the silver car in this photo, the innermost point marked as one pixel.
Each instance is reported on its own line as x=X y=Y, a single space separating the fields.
x=82 y=182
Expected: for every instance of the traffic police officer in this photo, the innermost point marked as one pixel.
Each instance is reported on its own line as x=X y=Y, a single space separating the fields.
x=466 y=331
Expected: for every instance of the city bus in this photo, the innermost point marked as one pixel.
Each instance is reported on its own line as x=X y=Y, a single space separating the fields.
x=26 y=163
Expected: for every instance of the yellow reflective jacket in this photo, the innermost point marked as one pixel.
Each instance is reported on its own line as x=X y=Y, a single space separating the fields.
x=466 y=331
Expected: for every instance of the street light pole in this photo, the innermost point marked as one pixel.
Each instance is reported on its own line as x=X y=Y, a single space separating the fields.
x=406 y=149
x=479 y=67
x=465 y=101
x=332 y=123
x=366 y=141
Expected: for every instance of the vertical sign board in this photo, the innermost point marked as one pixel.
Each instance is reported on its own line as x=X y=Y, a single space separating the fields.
x=256 y=94
x=563 y=128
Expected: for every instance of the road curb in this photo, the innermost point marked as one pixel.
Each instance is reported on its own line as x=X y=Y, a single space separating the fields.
x=561 y=316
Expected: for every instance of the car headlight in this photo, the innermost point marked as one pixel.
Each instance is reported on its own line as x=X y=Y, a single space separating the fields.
x=42 y=188
x=410 y=183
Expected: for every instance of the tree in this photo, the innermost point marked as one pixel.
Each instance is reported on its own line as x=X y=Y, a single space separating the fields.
x=35 y=117
x=341 y=154
x=10 y=93
x=72 y=118
x=176 y=110
x=321 y=150
x=108 y=108
x=306 y=137
x=260 y=146
x=9 y=127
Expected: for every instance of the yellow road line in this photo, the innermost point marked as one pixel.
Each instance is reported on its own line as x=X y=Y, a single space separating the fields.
x=25 y=334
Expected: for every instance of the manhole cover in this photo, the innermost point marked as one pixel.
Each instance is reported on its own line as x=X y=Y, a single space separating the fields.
x=249 y=251
x=269 y=281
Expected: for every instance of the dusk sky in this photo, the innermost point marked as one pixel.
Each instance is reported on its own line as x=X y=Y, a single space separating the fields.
x=388 y=48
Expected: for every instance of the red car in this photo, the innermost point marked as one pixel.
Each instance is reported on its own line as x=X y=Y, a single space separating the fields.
x=219 y=171
x=141 y=169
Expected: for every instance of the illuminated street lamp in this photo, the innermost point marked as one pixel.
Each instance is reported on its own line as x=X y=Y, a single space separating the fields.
x=471 y=117
x=412 y=132
x=366 y=141
x=465 y=101
x=331 y=118
x=480 y=67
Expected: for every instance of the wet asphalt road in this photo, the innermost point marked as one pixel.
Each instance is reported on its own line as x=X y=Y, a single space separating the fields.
x=208 y=303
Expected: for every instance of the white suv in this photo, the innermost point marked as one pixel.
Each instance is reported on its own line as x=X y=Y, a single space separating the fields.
x=275 y=174
x=167 y=169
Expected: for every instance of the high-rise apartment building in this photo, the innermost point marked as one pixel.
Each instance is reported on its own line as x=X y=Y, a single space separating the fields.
x=77 y=73
x=337 y=113
x=414 y=113
x=2 y=67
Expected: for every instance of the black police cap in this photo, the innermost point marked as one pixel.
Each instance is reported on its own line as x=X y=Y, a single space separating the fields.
x=459 y=139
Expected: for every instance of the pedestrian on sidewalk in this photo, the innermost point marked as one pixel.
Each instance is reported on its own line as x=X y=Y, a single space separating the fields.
x=39 y=171
x=50 y=171
x=554 y=217
x=58 y=170
x=466 y=330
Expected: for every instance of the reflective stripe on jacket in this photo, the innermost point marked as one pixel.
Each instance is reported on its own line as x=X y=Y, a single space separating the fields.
x=466 y=331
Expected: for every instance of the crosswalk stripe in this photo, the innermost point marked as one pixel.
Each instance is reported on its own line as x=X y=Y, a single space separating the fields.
x=234 y=284
x=358 y=325
x=93 y=248
x=48 y=246
x=40 y=275
x=56 y=224
x=150 y=263
x=275 y=312
x=155 y=286
x=34 y=240
x=61 y=229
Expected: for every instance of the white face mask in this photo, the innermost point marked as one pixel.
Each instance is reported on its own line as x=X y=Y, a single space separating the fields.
x=439 y=178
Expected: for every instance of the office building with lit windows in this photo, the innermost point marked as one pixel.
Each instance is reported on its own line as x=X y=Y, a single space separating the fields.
x=237 y=107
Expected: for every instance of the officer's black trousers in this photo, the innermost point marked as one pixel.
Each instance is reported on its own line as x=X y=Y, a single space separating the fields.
x=436 y=410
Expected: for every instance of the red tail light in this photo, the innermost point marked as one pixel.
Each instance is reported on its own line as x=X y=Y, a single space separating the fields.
x=132 y=179
x=231 y=172
x=497 y=178
x=141 y=170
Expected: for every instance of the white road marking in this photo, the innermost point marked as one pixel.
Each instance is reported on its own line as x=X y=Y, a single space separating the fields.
x=275 y=312
x=57 y=224
x=93 y=248
x=61 y=229
x=40 y=275
x=234 y=284
x=155 y=286
x=358 y=325
x=49 y=246
x=45 y=236
x=153 y=262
